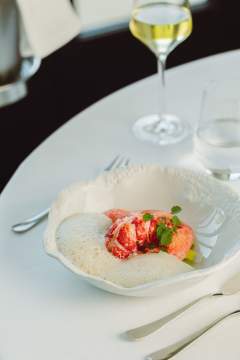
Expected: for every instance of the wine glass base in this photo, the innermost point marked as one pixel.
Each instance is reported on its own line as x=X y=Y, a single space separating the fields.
x=168 y=129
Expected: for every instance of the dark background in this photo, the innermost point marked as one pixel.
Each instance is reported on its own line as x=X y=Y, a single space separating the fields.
x=86 y=70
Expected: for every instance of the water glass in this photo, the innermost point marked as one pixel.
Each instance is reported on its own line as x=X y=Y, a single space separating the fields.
x=217 y=138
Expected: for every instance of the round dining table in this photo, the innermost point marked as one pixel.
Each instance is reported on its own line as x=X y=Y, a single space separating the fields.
x=49 y=313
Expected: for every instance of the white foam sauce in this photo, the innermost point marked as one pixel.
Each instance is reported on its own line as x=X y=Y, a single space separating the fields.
x=80 y=238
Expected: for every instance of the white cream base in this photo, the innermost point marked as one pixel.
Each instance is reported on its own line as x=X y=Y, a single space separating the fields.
x=80 y=238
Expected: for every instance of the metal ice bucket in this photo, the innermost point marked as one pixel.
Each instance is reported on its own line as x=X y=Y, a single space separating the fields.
x=14 y=70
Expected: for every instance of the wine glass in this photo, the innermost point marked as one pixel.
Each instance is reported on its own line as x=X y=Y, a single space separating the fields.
x=161 y=25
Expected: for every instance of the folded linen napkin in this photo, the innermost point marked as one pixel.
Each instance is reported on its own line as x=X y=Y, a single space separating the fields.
x=46 y=25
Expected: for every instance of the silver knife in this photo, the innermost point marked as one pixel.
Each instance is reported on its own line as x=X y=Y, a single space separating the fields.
x=228 y=288
x=169 y=351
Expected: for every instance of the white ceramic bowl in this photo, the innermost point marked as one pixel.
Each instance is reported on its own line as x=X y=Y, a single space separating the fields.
x=209 y=206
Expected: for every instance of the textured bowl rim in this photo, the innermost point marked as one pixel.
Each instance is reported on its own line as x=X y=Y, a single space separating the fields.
x=195 y=274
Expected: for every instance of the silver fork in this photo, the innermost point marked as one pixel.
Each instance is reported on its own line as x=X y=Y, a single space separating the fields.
x=25 y=225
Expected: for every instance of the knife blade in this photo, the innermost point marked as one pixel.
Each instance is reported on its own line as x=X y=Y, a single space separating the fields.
x=229 y=287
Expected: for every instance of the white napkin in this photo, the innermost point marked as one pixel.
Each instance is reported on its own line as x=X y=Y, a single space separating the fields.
x=46 y=25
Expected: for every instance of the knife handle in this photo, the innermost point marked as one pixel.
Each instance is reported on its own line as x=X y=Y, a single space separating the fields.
x=170 y=351
x=223 y=307
x=148 y=329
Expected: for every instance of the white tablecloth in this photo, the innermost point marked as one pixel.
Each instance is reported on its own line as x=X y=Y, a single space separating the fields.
x=46 y=312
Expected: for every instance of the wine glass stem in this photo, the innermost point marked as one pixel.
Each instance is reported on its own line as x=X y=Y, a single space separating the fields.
x=161 y=61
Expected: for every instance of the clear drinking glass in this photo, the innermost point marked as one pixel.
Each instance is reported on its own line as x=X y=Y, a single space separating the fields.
x=217 y=139
x=161 y=25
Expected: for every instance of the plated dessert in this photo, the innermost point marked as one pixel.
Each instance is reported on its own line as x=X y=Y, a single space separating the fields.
x=128 y=248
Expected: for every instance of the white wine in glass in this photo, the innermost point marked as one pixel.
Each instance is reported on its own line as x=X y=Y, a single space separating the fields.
x=161 y=26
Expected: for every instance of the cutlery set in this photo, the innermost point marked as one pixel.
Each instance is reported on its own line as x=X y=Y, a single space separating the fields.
x=228 y=296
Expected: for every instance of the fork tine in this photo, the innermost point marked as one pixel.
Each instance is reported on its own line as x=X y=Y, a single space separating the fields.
x=127 y=161
x=123 y=162
x=119 y=163
x=112 y=163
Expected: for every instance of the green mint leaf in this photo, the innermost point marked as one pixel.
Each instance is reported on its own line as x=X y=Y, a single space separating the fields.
x=176 y=221
x=160 y=229
x=176 y=209
x=147 y=217
x=166 y=237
